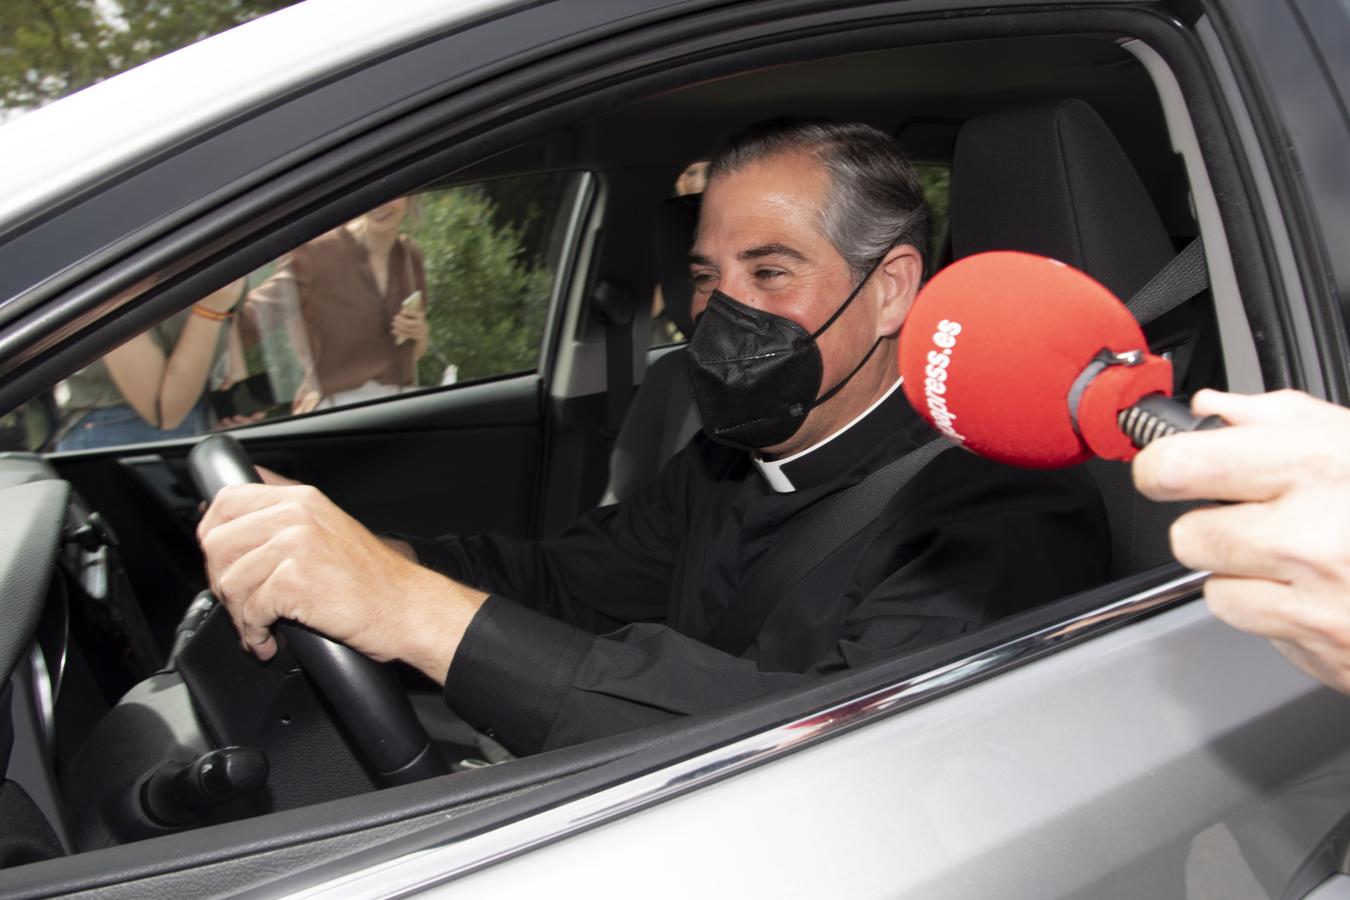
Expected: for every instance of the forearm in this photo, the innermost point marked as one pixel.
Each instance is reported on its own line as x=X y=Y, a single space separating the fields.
x=237 y=364
x=580 y=577
x=433 y=623
x=538 y=683
x=187 y=369
x=137 y=369
x=493 y=563
x=286 y=552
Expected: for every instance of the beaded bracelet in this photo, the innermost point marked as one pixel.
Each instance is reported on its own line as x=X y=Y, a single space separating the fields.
x=212 y=314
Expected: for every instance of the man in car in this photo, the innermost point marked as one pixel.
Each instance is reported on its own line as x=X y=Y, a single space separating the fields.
x=810 y=248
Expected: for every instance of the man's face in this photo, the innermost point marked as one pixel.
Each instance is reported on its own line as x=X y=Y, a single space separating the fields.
x=759 y=241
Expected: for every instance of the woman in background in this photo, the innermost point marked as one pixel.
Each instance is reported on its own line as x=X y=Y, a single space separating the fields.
x=153 y=387
x=357 y=294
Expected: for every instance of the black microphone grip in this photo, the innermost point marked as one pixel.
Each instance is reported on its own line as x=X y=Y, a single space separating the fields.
x=1157 y=416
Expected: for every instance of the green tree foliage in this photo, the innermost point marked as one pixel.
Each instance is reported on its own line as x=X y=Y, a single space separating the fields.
x=50 y=48
x=936 y=183
x=488 y=296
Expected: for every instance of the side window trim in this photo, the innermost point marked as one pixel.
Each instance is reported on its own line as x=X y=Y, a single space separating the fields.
x=569 y=282
x=1239 y=348
x=578 y=367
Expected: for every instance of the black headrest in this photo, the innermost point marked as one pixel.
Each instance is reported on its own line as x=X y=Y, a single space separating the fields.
x=676 y=222
x=1050 y=178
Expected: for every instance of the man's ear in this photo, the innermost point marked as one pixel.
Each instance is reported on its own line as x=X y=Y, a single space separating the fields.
x=900 y=274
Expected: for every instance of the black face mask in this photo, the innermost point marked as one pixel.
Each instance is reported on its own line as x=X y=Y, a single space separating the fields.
x=755 y=376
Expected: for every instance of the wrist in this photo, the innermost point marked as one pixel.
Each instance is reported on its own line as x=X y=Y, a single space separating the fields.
x=437 y=621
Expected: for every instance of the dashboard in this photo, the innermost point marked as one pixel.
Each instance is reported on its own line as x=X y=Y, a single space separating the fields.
x=37 y=571
x=108 y=738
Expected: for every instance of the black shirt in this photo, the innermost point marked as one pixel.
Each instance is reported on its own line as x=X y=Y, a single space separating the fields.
x=599 y=630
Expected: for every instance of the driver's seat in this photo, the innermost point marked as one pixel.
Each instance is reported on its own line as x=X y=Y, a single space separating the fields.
x=662 y=417
x=1050 y=178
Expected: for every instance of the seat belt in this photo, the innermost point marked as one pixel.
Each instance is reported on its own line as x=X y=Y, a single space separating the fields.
x=808 y=539
x=615 y=304
x=1184 y=276
x=1181 y=279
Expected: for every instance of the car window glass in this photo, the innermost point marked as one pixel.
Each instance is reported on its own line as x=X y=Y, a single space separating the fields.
x=665 y=328
x=30 y=427
x=936 y=182
x=442 y=287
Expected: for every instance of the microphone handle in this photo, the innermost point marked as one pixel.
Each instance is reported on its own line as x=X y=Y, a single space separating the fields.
x=1157 y=416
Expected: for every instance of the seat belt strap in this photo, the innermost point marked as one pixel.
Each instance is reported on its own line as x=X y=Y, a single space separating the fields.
x=615 y=305
x=1178 y=281
x=808 y=539
x=618 y=374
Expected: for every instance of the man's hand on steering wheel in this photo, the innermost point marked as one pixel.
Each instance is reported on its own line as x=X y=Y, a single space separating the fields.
x=288 y=552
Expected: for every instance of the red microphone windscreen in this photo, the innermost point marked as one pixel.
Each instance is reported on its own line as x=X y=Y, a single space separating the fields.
x=993 y=345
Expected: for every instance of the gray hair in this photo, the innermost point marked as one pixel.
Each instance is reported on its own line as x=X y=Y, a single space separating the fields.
x=875 y=201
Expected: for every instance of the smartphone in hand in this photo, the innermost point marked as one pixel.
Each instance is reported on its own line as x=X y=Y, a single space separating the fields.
x=244 y=398
x=412 y=301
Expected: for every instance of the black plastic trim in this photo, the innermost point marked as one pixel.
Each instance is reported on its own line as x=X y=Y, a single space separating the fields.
x=30 y=536
x=1249 y=32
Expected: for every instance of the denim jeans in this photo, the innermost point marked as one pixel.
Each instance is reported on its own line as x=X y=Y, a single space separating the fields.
x=111 y=426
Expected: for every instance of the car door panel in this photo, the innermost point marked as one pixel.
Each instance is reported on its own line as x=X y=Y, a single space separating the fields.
x=464 y=459
x=1165 y=759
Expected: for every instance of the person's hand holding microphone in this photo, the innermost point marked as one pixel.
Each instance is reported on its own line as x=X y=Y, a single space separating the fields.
x=1280 y=547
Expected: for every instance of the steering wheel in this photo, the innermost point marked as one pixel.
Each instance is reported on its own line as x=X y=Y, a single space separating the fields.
x=373 y=710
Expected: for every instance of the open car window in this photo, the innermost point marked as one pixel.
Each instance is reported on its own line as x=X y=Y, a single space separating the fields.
x=434 y=288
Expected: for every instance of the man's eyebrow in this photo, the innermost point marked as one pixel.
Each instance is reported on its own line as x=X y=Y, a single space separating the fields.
x=698 y=259
x=771 y=250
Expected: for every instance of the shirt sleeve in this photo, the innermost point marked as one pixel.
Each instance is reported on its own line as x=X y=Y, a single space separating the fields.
x=612 y=566
x=538 y=683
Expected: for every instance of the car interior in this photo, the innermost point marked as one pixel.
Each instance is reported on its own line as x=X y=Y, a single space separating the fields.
x=1042 y=136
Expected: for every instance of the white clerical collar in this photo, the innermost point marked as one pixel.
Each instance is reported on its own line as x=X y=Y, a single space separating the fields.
x=773 y=469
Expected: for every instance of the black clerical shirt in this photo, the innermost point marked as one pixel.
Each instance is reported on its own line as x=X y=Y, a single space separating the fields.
x=600 y=629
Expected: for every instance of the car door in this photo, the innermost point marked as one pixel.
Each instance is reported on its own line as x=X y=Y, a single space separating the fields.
x=1134 y=748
